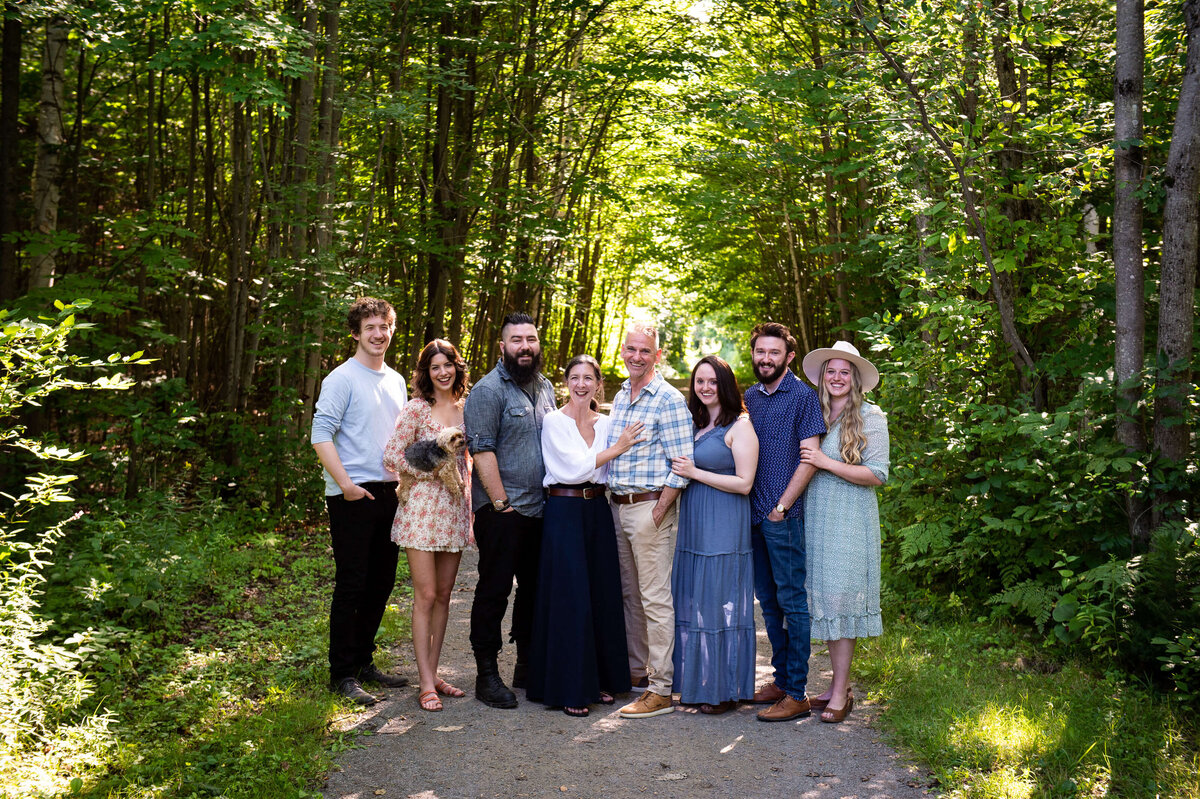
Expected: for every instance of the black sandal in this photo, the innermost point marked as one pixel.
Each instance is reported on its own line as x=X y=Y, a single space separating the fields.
x=576 y=712
x=606 y=698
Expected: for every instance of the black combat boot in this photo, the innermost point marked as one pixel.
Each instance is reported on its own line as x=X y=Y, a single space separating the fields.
x=489 y=688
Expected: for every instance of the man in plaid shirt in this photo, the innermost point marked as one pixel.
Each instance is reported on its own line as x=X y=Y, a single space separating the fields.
x=643 y=493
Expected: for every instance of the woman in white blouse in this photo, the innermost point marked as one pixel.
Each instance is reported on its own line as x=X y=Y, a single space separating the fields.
x=578 y=652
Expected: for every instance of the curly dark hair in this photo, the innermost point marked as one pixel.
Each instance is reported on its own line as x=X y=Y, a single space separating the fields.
x=365 y=308
x=421 y=382
x=728 y=394
x=773 y=330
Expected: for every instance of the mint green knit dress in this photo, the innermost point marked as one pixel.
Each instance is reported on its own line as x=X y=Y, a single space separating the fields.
x=841 y=531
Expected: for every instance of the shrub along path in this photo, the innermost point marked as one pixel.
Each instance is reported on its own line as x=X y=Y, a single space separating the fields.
x=471 y=750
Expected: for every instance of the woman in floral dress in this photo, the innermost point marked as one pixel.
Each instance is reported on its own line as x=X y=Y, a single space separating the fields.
x=434 y=526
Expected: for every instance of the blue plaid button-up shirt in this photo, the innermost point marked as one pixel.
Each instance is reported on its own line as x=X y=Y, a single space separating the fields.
x=668 y=434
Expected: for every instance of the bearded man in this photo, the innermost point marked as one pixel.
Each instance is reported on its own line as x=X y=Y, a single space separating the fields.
x=503 y=420
x=786 y=414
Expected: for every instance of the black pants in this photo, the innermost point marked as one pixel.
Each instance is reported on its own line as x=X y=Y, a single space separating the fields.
x=509 y=546
x=365 y=559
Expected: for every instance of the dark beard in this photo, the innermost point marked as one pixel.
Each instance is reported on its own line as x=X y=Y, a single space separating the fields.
x=769 y=377
x=521 y=375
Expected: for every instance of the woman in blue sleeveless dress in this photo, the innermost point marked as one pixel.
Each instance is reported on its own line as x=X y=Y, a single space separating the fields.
x=712 y=579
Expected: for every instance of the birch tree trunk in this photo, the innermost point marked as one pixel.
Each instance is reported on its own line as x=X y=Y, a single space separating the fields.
x=47 y=170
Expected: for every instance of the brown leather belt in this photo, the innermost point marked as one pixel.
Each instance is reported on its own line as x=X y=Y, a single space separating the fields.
x=586 y=493
x=629 y=499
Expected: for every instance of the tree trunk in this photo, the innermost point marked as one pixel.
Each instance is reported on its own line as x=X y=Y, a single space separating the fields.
x=1177 y=284
x=328 y=134
x=238 y=290
x=1130 y=346
x=10 y=191
x=50 y=141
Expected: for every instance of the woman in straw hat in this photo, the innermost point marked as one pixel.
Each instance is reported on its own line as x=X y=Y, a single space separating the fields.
x=841 y=515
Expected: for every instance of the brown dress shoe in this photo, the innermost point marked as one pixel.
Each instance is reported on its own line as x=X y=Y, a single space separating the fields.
x=786 y=709
x=769 y=694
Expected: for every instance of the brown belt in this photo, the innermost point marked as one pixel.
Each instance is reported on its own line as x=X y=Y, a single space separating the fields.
x=629 y=499
x=586 y=493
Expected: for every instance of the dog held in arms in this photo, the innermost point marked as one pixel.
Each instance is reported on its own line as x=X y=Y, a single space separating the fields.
x=438 y=456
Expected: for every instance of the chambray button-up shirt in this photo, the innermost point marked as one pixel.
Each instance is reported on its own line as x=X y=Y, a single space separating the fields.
x=668 y=434
x=506 y=419
x=782 y=420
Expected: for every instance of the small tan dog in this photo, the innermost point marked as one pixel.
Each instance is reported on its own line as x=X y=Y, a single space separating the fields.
x=438 y=456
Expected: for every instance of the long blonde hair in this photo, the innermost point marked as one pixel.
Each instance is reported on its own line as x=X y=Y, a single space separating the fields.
x=854 y=441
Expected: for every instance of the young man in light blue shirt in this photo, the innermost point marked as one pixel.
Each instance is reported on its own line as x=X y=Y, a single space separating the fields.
x=354 y=418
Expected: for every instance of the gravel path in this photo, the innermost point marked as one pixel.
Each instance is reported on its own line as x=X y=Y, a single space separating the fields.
x=471 y=750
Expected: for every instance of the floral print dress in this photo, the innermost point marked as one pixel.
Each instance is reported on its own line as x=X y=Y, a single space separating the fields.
x=434 y=520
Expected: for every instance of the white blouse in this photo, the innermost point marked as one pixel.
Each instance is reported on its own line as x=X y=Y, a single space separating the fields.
x=567 y=457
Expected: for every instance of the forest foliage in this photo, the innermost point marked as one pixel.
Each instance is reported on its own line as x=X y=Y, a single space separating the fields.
x=211 y=182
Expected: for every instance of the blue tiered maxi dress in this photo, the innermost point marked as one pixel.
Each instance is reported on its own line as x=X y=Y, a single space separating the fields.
x=712 y=581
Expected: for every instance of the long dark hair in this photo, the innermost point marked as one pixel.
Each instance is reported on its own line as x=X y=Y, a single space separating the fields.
x=421 y=382
x=592 y=362
x=728 y=394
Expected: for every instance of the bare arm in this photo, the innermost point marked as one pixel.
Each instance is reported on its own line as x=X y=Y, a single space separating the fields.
x=745 y=460
x=875 y=453
x=630 y=435
x=800 y=478
x=328 y=455
x=852 y=473
x=488 y=469
x=664 y=504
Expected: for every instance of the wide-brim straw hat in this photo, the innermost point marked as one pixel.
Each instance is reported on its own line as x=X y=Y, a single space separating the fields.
x=867 y=373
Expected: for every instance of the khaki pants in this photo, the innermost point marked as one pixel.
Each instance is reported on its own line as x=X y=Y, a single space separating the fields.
x=646 y=552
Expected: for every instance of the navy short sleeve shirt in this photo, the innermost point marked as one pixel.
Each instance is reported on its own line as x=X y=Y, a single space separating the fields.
x=782 y=420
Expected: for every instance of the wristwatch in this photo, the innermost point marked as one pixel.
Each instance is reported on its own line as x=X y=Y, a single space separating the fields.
x=500 y=505
x=780 y=509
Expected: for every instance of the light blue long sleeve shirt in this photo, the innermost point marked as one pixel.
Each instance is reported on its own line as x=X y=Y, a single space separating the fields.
x=357 y=411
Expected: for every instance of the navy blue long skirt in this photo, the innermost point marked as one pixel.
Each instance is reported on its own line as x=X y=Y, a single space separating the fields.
x=578 y=647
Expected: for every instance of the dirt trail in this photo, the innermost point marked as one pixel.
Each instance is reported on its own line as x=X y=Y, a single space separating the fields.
x=470 y=750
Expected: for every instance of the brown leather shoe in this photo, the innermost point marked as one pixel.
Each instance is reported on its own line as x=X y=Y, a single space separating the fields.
x=786 y=709
x=769 y=694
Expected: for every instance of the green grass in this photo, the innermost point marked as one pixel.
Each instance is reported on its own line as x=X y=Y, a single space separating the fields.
x=221 y=690
x=979 y=707
x=204 y=635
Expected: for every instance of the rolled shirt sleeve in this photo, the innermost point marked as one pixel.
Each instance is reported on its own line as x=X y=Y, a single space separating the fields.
x=677 y=440
x=668 y=433
x=481 y=419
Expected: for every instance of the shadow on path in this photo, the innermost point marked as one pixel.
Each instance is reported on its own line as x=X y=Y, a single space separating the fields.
x=470 y=750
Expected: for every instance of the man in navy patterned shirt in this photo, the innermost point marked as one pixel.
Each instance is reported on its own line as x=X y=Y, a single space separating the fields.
x=786 y=413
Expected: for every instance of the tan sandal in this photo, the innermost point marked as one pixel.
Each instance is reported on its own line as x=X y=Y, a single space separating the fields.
x=430 y=701
x=831 y=716
x=820 y=704
x=446 y=689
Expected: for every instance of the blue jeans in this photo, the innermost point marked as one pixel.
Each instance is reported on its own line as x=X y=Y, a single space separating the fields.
x=779 y=573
